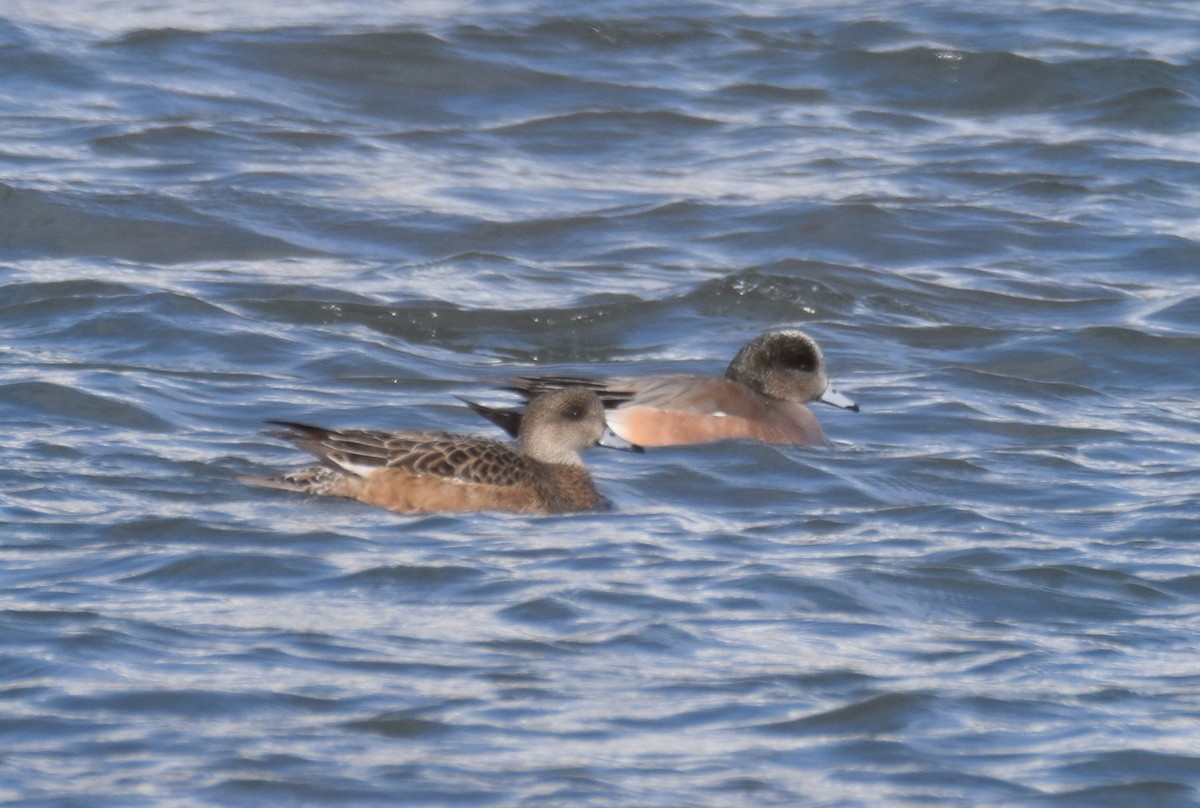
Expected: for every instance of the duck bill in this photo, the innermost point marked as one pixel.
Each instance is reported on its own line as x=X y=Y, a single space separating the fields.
x=833 y=397
x=611 y=440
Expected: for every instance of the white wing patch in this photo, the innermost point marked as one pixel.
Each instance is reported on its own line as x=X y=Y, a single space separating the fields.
x=348 y=465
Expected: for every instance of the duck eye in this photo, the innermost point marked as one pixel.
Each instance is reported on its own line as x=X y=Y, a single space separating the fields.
x=805 y=363
x=801 y=359
x=574 y=412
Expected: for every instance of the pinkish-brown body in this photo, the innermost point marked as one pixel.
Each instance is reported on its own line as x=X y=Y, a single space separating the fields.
x=677 y=410
x=556 y=490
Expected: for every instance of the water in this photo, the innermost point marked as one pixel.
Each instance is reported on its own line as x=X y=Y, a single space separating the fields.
x=985 y=593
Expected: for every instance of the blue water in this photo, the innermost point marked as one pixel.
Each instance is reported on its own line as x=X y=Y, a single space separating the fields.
x=984 y=593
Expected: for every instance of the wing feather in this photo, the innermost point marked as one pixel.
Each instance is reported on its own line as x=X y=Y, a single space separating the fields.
x=464 y=458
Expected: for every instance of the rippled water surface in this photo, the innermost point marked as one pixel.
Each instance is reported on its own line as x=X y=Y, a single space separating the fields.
x=985 y=592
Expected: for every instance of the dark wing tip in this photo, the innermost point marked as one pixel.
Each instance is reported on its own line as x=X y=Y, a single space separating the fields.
x=296 y=431
x=508 y=420
x=532 y=386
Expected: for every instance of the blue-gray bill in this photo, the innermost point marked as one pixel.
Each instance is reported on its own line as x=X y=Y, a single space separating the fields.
x=831 y=396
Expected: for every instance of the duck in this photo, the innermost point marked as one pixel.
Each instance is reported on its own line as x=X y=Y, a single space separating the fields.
x=763 y=396
x=437 y=472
